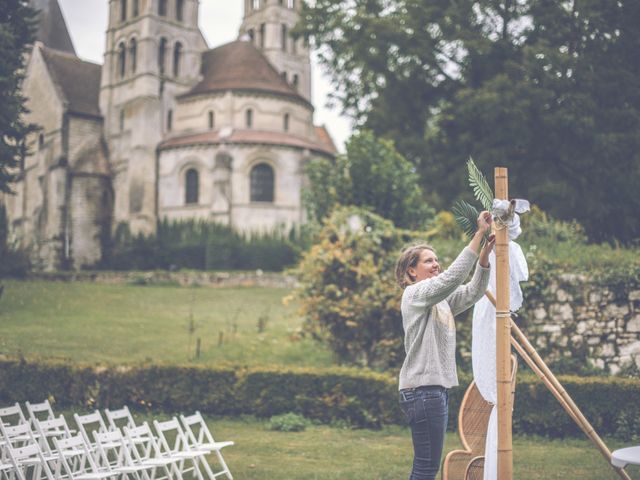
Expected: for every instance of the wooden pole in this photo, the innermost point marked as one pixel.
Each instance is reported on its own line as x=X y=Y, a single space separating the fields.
x=540 y=368
x=503 y=336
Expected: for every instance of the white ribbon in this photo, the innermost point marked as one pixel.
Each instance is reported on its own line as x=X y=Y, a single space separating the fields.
x=483 y=345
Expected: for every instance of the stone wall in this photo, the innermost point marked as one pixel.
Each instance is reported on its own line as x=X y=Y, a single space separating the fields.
x=576 y=317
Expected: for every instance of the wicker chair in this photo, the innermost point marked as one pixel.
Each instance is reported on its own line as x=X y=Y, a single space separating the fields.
x=468 y=464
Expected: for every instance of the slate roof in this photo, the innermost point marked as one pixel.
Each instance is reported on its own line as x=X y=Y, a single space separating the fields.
x=52 y=29
x=250 y=137
x=240 y=66
x=78 y=80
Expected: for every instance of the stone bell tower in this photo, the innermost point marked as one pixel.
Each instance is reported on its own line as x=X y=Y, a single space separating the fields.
x=269 y=23
x=153 y=53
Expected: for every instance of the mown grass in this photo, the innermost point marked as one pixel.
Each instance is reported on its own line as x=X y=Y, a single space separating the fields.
x=129 y=324
x=329 y=453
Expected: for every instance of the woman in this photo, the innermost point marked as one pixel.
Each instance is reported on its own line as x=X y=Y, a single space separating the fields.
x=430 y=300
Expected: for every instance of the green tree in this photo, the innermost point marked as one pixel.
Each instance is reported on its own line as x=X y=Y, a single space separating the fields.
x=372 y=174
x=348 y=291
x=548 y=88
x=17 y=27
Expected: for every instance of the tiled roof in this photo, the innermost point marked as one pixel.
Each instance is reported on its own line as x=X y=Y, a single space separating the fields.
x=325 y=138
x=52 y=29
x=247 y=137
x=79 y=81
x=241 y=66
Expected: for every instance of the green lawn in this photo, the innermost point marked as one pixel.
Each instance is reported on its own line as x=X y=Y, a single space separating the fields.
x=126 y=324
x=327 y=453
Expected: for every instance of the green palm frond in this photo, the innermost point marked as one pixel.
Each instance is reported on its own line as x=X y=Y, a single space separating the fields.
x=467 y=217
x=481 y=188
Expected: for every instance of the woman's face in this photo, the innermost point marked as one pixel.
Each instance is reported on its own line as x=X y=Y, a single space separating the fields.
x=426 y=267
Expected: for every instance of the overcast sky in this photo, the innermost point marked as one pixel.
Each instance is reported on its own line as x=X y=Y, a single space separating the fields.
x=219 y=22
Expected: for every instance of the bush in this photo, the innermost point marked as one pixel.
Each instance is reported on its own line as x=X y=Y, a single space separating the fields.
x=358 y=398
x=289 y=422
x=14 y=261
x=201 y=245
x=348 y=291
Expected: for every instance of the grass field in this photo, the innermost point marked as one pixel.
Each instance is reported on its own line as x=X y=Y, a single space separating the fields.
x=127 y=324
x=327 y=453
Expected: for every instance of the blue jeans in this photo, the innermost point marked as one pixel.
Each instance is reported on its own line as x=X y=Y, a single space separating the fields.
x=427 y=411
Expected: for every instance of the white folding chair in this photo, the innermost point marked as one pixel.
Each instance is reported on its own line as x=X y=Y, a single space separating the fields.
x=19 y=435
x=145 y=451
x=12 y=415
x=39 y=411
x=199 y=437
x=88 y=423
x=114 y=453
x=119 y=418
x=173 y=443
x=27 y=463
x=83 y=466
x=46 y=430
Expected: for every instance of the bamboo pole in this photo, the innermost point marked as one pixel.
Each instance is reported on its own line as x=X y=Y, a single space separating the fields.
x=503 y=336
x=540 y=368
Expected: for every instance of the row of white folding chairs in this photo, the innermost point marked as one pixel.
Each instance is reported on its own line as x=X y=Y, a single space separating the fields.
x=48 y=449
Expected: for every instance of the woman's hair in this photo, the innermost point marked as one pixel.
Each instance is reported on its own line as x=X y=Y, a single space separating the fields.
x=409 y=259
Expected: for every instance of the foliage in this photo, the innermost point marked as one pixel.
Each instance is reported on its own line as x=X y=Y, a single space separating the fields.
x=202 y=245
x=360 y=397
x=288 y=422
x=546 y=88
x=348 y=290
x=373 y=175
x=17 y=30
x=14 y=261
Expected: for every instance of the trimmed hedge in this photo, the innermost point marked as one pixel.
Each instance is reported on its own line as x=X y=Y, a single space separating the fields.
x=361 y=398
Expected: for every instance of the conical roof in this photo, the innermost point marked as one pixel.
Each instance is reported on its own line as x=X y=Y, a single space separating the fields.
x=52 y=29
x=240 y=65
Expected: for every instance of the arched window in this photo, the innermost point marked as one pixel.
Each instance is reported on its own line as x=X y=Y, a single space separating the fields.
x=162 y=49
x=284 y=76
x=169 y=120
x=255 y=4
x=286 y=122
x=294 y=46
x=212 y=120
x=249 y=118
x=179 y=10
x=122 y=59
x=162 y=8
x=191 y=186
x=121 y=125
x=133 y=54
x=252 y=35
x=262 y=183
x=123 y=10
x=263 y=35
x=136 y=8
x=40 y=141
x=295 y=81
x=285 y=32
x=291 y=3
x=177 y=56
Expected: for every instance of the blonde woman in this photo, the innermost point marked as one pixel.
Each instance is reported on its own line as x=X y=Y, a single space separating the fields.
x=430 y=300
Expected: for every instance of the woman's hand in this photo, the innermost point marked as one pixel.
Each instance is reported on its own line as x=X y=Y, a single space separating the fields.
x=484 y=221
x=486 y=250
x=484 y=224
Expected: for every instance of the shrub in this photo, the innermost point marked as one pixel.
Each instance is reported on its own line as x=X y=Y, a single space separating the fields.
x=358 y=398
x=348 y=290
x=201 y=245
x=14 y=261
x=289 y=422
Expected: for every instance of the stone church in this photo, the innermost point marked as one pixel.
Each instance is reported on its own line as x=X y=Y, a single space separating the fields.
x=166 y=128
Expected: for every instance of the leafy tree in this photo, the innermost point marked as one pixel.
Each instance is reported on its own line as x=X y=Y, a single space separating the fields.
x=548 y=88
x=17 y=27
x=372 y=174
x=347 y=288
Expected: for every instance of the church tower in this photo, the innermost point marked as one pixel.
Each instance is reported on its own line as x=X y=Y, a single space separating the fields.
x=268 y=23
x=153 y=53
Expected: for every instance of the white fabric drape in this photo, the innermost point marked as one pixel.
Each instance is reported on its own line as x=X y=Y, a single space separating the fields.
x=483 y=347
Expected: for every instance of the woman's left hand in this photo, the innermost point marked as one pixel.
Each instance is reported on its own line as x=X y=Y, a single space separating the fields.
x=486 y=250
